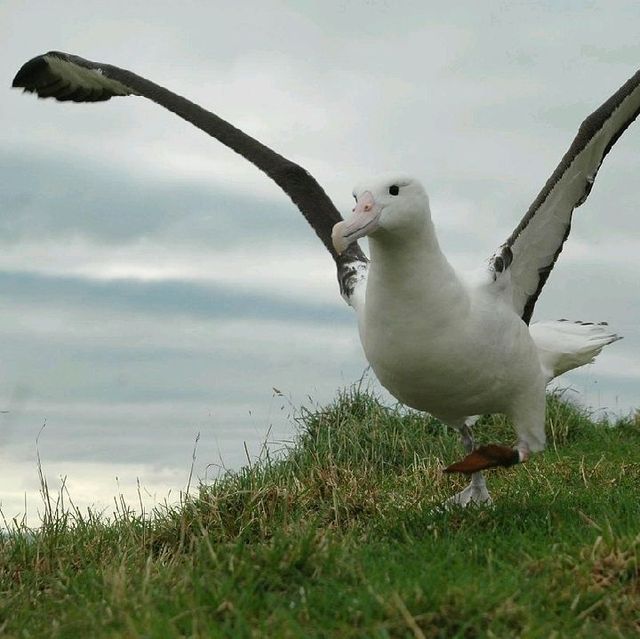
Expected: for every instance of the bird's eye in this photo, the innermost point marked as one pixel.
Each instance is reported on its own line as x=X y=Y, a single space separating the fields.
x=355 y=197
x=394 y=189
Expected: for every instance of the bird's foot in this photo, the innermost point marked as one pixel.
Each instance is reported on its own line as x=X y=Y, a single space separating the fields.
x=483 y=457
x=475 y=493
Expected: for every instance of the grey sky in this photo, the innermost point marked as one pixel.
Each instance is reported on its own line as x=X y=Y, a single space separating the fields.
x=153 y=284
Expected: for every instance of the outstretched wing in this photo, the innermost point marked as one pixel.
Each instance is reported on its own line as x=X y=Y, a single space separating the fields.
x=68 y=77
x=534 y=246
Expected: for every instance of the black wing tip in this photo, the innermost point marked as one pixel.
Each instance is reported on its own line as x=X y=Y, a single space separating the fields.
x=37 y=76
x=34 y=66
x=33 y=69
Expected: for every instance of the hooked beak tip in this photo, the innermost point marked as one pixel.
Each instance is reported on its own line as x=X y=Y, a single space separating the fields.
x=338 y=240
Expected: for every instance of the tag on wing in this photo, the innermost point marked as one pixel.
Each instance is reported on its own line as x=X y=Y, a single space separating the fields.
x=483 y=457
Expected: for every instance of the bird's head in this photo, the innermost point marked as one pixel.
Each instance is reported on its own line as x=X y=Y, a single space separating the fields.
x=395 y=205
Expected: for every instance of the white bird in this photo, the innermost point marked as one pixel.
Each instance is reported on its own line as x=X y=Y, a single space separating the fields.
x=439 y=341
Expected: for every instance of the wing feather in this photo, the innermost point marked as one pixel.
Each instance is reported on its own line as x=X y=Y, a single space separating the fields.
x=68 y=77
x=538 y=239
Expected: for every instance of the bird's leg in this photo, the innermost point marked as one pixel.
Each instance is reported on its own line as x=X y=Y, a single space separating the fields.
x=476 y=492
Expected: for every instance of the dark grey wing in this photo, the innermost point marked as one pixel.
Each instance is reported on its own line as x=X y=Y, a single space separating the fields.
x=534 y=246
x=68 y=77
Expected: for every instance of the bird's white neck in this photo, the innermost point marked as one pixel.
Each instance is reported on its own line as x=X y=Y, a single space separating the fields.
x=414 y=303
x=411 y=268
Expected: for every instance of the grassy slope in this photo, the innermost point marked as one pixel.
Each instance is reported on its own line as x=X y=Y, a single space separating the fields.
x=342 y=539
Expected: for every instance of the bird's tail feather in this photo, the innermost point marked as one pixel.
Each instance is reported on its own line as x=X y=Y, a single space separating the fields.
x=564 y=345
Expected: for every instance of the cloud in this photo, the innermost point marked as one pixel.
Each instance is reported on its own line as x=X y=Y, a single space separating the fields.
x=47 y=197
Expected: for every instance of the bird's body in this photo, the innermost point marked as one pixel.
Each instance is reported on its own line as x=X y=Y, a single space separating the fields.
x=472 y=358
x=452 y=345
x=412 y=327
x=441 y=342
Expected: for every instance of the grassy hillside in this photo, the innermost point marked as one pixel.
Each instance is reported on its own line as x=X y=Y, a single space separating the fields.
x=343 y=538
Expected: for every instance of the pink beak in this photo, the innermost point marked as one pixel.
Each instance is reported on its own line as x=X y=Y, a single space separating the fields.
x=365 y=218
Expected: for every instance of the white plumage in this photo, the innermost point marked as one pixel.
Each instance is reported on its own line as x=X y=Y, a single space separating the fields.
x=564 y=345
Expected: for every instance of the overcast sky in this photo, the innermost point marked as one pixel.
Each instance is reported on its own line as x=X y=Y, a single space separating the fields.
x=153 y=285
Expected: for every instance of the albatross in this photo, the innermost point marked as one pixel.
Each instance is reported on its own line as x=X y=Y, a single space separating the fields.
x=452 y=344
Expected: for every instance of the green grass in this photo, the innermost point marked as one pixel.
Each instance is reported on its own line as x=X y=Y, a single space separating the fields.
x=342 y=537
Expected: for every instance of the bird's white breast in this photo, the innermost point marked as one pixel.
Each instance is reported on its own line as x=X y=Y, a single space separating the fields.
x=446 y=348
